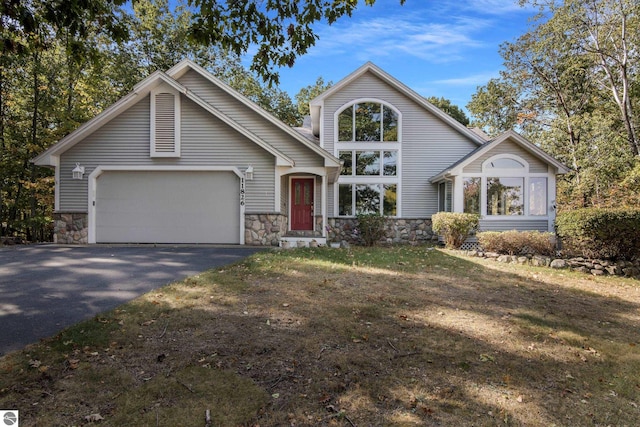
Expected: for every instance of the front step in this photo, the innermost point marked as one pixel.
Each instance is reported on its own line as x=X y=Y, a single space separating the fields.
x=302 y=242
x=303 y=233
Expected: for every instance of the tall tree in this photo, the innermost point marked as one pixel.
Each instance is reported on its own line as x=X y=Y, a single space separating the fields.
x=306 y=94
x=611 y=31
x=556 y=89
x=607 y=33
x=45 y=47
x=494 y=107
x=282 y=30
x=451 y=109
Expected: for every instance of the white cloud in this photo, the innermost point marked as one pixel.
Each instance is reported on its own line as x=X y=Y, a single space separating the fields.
x=470 y=80
x=493 y=7
x=381 y=37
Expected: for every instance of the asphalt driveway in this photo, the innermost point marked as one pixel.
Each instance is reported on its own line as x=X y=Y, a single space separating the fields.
x=45 y=288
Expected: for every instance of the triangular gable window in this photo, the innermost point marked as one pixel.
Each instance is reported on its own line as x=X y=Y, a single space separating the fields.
x=165 y=123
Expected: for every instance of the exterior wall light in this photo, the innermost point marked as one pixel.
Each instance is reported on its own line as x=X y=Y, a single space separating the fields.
x=248 y=173
x=78 y=171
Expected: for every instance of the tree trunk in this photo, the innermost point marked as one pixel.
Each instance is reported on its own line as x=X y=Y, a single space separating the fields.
x=31 y=229
x=2 y=147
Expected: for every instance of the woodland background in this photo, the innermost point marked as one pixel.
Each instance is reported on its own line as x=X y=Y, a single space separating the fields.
x=571 y=84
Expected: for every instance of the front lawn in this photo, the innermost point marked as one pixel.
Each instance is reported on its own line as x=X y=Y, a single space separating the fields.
x=358 y=337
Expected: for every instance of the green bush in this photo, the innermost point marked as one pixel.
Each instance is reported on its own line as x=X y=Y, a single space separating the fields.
x=600 y=233
x=517 y=242
x=454 y=227
x=371 y=228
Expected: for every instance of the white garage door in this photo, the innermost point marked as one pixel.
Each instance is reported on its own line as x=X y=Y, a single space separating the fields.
x=167 y=207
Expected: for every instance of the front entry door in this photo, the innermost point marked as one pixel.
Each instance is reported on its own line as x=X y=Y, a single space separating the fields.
x=302 y=203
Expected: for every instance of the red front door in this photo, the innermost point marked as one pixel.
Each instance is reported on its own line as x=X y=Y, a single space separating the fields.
x=302 y=203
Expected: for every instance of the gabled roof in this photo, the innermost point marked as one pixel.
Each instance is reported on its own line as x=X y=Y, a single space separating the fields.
x=145 y=87
x=456 y=168
x=369 y=67
x=186 y=65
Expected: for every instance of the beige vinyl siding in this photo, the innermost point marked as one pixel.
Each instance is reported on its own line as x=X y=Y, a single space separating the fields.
x=508 y=147
x=251 y=120
x=518 y=224
x=428 y=144
x=206 y=141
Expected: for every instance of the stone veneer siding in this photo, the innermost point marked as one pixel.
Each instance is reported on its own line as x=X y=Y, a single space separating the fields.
x=397 y=231
x=267 y=229
x=70 y=228
x=264 y=229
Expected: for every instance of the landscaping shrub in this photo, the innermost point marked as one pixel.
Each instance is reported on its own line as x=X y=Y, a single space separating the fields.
x=600 y=233
x=517 y=242
x=454 y=227
x=371 y=228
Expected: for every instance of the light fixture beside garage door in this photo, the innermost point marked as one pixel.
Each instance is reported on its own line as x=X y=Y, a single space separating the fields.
x=78 y=171
x=248 y=173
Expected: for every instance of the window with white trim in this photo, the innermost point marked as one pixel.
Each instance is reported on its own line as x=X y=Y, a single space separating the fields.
x=165 y=123
x=471 y=189
x=368 y=122
x=367 y=141
x=505 y=188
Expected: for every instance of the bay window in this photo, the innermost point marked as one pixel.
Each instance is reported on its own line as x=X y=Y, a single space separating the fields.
x=471 y=191
x=537 y=196
x=505 y=188
x=504 y=196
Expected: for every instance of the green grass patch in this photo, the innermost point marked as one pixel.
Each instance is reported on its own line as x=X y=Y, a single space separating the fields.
x=183 y=398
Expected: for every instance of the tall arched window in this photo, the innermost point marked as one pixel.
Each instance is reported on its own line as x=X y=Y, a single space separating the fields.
x=368 y=143
x=368 y=122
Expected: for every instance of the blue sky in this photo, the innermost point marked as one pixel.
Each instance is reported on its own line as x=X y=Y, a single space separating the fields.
x=438 y=48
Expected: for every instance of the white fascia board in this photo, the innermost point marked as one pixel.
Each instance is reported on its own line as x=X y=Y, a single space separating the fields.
x=140 y=90
x=509 y=135
x=319 y=100
x=45 y=158
x=404 y=89
x=182 y=67
x=281 y=158
x=533 y=149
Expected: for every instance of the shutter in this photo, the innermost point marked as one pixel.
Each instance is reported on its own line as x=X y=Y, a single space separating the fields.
x=165 y=123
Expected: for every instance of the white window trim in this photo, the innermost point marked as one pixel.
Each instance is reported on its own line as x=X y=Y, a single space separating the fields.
x=446 y=203
x=177 y=122
x=379 y=151
x=336 y=194
x=506 y=173
x=368 y=146
x=343 y=107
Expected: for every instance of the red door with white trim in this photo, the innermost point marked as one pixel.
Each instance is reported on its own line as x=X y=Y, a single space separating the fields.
x=302 y=203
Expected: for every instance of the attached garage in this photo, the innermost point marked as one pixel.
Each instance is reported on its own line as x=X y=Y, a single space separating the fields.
x=166 y=206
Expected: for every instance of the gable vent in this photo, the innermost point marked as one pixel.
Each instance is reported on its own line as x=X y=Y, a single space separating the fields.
x=165 y=136
x=165 y=123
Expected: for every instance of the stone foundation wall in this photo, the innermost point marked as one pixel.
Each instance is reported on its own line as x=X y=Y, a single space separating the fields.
x=264 y=229
x=267 y=229
x=397 y=231
x=70 y=228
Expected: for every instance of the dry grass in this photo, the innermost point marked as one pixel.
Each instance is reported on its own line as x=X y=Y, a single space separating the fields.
x=362 y=337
